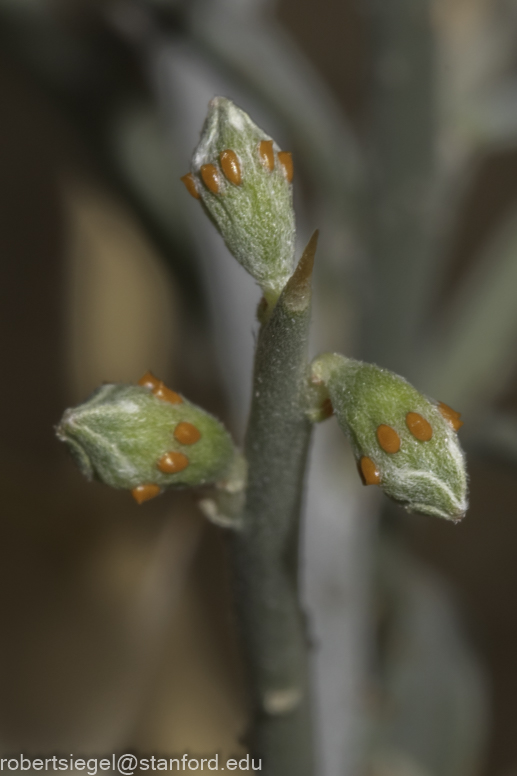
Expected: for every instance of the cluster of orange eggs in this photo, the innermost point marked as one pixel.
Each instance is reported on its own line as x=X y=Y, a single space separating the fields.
x=231 y=168
x=185 y=433
x=389 y=440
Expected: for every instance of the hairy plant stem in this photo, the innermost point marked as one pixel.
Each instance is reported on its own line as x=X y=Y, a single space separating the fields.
x=265 y=549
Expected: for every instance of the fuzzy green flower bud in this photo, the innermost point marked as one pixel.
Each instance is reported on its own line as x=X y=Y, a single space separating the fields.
x=244 y=182
x=146 y=438
x=402 y=441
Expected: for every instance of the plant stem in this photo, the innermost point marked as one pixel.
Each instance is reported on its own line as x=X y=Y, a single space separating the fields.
x=265 y=549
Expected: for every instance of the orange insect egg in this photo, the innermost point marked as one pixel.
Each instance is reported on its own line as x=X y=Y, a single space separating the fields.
x=369 y=472
x=186 y=433
x=448 y=411
x=210 y=176
x=191 y=185
x=164 y=393
x=149 y=381
x=266 y=154
x=231 y=167
x=419 y=426
x=145 y=492
x=456 y=424
x=451 y=415
x=286 y=160
x=388 y=439
x=172 y=462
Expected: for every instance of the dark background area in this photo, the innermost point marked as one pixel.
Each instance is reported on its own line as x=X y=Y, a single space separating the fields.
x=479 y=556
x=65 y=637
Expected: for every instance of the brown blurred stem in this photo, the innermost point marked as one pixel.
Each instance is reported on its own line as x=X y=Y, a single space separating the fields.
x=265 y=550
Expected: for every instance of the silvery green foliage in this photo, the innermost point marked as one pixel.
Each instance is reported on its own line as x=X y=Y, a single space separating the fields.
x=256 y=217
x=121 y=432
x=425 y=476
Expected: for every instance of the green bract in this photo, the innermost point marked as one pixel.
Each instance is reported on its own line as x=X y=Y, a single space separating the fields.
x=121 y=432
x=425 y=476
x=255 y=217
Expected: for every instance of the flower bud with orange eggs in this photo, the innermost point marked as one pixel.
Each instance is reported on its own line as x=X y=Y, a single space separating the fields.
x=402 y=441
x=146 y=438
x=244 y=181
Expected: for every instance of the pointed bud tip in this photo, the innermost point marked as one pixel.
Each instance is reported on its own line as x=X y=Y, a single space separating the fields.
x=297 y=292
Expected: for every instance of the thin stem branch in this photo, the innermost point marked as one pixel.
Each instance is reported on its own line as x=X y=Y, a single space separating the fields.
x=265 y=549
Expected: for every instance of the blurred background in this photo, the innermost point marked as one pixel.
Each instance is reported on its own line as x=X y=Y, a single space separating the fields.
x=117 y=622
